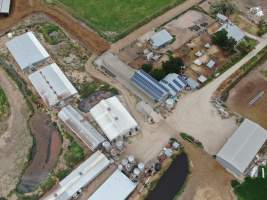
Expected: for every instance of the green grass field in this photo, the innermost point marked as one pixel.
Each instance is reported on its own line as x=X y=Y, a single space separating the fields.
x=252 y=189
x=4 y=106
x=115 y=18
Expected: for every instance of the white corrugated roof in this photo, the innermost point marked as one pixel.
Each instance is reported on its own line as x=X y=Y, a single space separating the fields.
x=52 y=85
x=80 y=177
x=81 y=127
x=113 y=118
x=243 y=145
x=116 y=187
x=4 y=6
x=233 y=31
x=161 y=38
x=27 y=50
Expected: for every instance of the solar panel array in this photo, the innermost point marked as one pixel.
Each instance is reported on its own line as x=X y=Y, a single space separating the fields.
x=174 y=83
x=149 y=85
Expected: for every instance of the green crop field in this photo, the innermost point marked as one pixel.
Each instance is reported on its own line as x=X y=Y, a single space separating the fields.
x=116 y=18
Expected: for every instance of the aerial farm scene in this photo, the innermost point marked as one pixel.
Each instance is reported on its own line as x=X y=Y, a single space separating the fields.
x=133 y=100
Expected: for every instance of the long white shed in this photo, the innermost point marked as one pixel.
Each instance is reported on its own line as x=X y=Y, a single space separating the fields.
x=81 y=127
x=117 y=187
x=52 y=85
x=80 y=177
x=27 y=50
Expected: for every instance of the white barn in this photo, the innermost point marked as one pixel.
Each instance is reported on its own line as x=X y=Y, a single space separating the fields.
x=241 y=148
x=81 y=127
x=113 y=118
x=52 y=85
x=80 y=177
x=117 y=187
x=27 y=50
x=161 y=39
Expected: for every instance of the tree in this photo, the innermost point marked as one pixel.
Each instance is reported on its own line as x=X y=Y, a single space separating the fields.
x=173 y=65
x=225 y=7
x=221 y=39
x=158 y=74
x=147 y=67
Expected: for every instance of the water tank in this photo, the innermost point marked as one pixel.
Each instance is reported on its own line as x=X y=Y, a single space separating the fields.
x=107 y=146
x=141 y=166
x=120 y=167
x=124 y=162
x=119 y=145
x=131 y=159
x=136 y=172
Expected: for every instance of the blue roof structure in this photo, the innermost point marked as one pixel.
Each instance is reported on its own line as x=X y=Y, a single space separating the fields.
x=150 y=86
x=174 y=83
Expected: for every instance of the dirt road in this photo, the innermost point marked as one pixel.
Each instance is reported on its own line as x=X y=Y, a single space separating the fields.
x=86 y=36
x=179 y=9
x=16 y=141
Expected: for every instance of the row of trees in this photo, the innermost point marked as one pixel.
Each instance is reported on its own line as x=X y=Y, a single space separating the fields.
x=173 y=65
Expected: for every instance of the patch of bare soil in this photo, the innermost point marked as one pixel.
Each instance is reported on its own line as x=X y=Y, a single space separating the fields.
x=45 y=152
x=16 y=141
x=24 y=8
x=249 y=89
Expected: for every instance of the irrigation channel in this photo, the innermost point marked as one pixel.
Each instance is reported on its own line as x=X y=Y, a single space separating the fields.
x=172 y=181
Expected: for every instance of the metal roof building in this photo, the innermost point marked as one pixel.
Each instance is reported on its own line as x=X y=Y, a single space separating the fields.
x=113 y=118
x=150 y=86
x=4 y=6
x=52 y=85
x=242 y=147
x=174 y=82
x=81 y=127
x=80 y=177
x=117 y=187
x=160 y=39
x=234 y=31
x=27 y=50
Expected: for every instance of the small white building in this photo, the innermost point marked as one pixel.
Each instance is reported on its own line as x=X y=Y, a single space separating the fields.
x=241 y=148
x=233 y=32
x=211 y=64
x=81 y=127
x=117 y=187
x=27 y=50
x=80 y=177
x=5 y=7
x=160 y=39
x=174 y=83
x=52 y=85
x=113 y=118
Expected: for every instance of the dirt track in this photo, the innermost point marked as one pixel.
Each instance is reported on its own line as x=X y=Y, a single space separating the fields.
x=16 y=141
x=86 y=36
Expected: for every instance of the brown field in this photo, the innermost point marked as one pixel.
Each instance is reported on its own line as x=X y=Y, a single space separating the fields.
x=247 y=89
x=45 y=152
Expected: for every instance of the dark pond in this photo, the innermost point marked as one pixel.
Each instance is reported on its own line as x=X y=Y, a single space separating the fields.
x=172 y=181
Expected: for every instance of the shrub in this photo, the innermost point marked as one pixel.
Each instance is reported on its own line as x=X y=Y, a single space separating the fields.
x=221 y=39
x=147 y=67
x=74 y=155
x=225 y=7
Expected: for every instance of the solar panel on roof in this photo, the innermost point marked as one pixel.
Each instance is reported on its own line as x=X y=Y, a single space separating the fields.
x=149 y=85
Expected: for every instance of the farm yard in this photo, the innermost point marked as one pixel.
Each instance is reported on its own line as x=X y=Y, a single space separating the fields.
x=114 y=19
x=249 y=96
